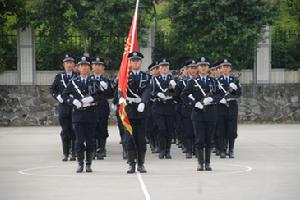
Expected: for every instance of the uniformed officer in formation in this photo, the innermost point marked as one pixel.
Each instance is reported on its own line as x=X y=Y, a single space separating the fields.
x=178 y=126
x=84 y=95
x=185 y=110
x=61 y=81
x=138 y=95
x=121 y=128
x=205 y=99
x=203 y=94
x=228 y=110
x=164 y=108
x=105 y=85
x=151 y=127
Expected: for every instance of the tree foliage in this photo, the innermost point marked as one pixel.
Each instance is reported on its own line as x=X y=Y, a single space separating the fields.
x=217 y=29
x=286 y=36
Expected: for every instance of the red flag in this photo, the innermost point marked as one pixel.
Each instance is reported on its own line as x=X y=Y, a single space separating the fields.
x=131 y=45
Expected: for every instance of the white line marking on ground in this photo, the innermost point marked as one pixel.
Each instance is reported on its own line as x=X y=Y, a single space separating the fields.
x=30 y=172
x=143 y=186
x=26 y=171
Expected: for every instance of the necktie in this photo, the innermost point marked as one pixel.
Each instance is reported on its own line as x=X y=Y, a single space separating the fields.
x=203 y=79
x=83 y=82
x=98 y=78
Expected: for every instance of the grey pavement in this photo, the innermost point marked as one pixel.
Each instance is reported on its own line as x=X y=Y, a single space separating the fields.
x=267 y=166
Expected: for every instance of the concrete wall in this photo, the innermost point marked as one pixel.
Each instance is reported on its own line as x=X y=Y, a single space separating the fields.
x=33 y=105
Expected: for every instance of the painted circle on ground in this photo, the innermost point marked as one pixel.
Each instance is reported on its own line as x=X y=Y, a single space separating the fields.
x=104 y=170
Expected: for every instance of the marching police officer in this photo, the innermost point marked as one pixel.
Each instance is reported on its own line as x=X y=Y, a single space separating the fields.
x=164 y=108
x=186 y=109
x=203 y=93
x=151 y=127
x=121 y=128
x=83 y=94
x=104 y=84
x=138 y=96
x=228 y=110
x=65 y=110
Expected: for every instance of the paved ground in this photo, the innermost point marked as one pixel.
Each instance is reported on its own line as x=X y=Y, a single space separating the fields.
x=267 y=166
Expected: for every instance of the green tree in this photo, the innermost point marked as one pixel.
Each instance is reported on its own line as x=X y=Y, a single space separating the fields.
x=11 y=11
x=101 y=24
x=217 y=29
x=286 y=36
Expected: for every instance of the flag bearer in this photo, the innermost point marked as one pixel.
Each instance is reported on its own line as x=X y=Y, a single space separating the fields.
x=137 y=97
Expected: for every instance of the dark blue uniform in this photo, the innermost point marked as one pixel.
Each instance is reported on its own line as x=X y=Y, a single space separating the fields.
x=121 y=128
x=137 y=92
x=228 y=115
x=204 y=120
x=178 y=126
x=164 y=112
x=84 y=118
x=102 y=121
x=151 y=127
x=64 y=113
x=185 y=111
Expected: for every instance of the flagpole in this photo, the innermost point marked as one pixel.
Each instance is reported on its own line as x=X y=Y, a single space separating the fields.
x=134 y=23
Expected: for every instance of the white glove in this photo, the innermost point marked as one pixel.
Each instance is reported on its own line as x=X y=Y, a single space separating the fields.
x=191 y=97
x=114 y=107
x=199 y=105
x=87 y=100
x=223 y=101
x=172 y=83
x=59 y=99
x=85 y=105
x=122 y=100
x=141 y=107
x=77 y=103
x=207 y=100
x=161 y=95
x=233 y=86
x=104 y=85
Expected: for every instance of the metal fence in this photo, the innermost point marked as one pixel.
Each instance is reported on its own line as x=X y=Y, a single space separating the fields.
x=285 y=49
x=8 y=50
x=49 y=52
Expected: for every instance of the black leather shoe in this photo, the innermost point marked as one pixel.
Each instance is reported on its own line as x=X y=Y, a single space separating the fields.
x=214 y=150
x=188 y=155
x=73 y=158
x=222 y=155
x=200 y=167
x=131 y=169
x=65 y=158
x=231 y=155
x=207 y=167
x=125 y=155
x=79 y=168
x=168 y=156
x=142 y=169
x=156 y=150
x=99 y=156
x=88 y=168
x=161 y=155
